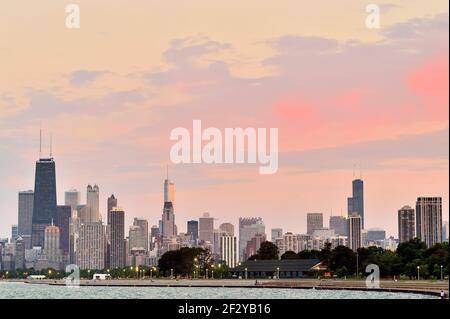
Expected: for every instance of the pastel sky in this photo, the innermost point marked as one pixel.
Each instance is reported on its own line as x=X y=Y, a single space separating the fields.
x=340 y=94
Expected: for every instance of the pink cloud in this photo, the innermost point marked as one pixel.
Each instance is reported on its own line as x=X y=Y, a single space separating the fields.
x=430 y=79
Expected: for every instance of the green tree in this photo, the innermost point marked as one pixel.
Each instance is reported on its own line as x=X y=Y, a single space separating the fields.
x=289 y=255
x=343 y=256
x=325 y=254
x=309 y=254
x=268 y=250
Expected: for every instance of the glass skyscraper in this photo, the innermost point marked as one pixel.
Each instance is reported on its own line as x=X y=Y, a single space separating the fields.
x=44 y=205
x=356 y=202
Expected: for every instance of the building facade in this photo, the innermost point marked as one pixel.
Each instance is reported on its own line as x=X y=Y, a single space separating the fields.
x=429 y=220
x=313 y=221
x=406 y=224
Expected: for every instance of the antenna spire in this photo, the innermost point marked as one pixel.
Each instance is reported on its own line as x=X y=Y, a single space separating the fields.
x=51 y=144
x=40 y=141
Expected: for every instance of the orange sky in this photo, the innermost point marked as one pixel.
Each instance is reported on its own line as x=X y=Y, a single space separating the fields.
x=339 y=93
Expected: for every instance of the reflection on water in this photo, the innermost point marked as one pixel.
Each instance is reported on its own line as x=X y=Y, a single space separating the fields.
x=21 y=290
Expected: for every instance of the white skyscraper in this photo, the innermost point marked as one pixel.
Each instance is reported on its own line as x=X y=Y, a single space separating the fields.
x=228 y=250
x=92 y=204
x=355 y=231
x=91 y=246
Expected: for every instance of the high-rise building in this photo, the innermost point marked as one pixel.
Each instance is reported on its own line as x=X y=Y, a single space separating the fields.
x=228 y=250
x=143 y=237
x=92 y=204
x=429 y=220
x=355 y=231
x=20 y=253
x=406 y=224
x=356 y=202
x=154 y=236
x=339 y=224
x=44 y=204
x=169 y=190
x=206 y=228
x=288 y=242
x=63 y=215
x=26 y=199
x=52 y=248
x=72 y=199
x=134 y=238
x=14 y=232
x=116 y=221
x=168 y=221
x=375 y=234
x=112 y=202
x=248 y=228
x=445 y=231
x=254 y=244
x=91 y=246
x=276 y=233
x=227 y=228
x=313 y=221
x=192 y=229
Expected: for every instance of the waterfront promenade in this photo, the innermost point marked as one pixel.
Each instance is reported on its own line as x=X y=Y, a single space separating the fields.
x=413 y=286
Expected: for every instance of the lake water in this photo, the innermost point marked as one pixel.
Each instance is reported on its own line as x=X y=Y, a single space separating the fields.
x=14 y=290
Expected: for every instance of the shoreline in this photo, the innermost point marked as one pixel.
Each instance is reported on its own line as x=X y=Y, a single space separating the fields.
x=427 y=288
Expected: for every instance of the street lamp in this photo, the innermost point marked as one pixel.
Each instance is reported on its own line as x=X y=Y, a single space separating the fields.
x=246 y=273
x=171 y=273
x=278 y=272
x=418 y=272
x=206 y=273
x=212 y=274
x=442 y=274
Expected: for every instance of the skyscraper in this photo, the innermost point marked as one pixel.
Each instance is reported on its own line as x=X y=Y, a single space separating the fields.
x=112 y=202
x=72 y=199
x=169 y=190
x=91 y=246
x=14 y=232
x=355 y=231
x=20 y=253
x=206 y=228
x=134 y=235
x=116 y=221
x=168 y=221
x=406 y=224
x=44 y=203
x=192 y=229
x=228 y=250
x=339 y=224
x=429 y=220
x=356 y=202
x=143 y=235
x=445 y=231
x=92 y=204
x=313 y=221
x=26 y=199
x=227 y=228
x=63 y=215
x=276 y=233
x=248 y=228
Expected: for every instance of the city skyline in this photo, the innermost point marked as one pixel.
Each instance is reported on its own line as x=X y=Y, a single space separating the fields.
x=341 y=95
x=131 y=219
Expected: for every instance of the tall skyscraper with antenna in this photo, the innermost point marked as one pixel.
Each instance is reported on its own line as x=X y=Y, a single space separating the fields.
x=169 y=189
x=44 y=202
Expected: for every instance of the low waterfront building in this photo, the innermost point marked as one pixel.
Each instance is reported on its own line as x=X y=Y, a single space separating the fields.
x=290 y=268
